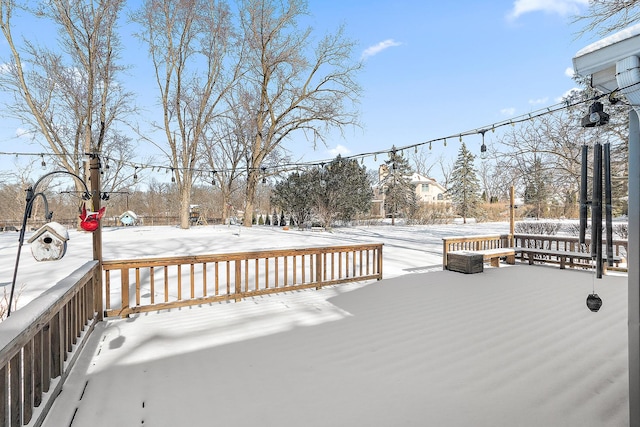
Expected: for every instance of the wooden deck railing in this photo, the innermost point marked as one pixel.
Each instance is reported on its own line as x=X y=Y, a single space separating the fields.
x=139 y=285
x=40 y=342
x=537 y=241
x=570 y=244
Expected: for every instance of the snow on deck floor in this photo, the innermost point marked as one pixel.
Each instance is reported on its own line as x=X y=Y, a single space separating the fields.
x=513 y=346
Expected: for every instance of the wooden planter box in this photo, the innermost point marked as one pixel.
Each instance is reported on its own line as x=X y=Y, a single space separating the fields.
x=465 y=262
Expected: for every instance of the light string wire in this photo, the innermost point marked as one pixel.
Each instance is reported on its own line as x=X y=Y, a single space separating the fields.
x=561 y=106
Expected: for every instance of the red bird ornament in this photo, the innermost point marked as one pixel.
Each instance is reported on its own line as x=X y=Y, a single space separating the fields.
x=90 y=220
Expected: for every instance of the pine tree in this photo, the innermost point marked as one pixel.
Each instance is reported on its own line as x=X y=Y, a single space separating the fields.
x=337 y=191
x=400 y=194
x=465 y=188
x=535 y=192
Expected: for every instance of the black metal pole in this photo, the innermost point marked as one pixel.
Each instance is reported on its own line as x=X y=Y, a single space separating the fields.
x=31 y=196
x=583 y=195
x=596 y=209
x=27 y=213
x=608 y=203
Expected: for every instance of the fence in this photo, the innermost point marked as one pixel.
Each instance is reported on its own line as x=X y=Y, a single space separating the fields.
x=139 y=285
x=40 y=343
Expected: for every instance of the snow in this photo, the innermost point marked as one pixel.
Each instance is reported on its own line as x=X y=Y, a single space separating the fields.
x=514 y=345
x=625 y=34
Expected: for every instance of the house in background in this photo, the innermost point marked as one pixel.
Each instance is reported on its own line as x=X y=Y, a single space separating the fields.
x=428 y=191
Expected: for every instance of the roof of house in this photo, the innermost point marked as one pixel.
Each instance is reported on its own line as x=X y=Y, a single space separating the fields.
x=58 y=230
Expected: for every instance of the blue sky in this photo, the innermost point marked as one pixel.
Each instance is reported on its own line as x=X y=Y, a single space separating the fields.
x=432 y=69
x=435 y=69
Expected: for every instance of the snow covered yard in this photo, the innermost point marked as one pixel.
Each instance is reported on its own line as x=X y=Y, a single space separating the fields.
x=512 y=346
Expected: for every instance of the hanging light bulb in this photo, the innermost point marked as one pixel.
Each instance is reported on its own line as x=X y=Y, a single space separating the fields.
x=43 y=163
x=135 y=174
x=416 y=150
x=430 y=146
x=483 y=148
x=173 y=177
x=375 y=157
x=460 y=137
x=445 y=142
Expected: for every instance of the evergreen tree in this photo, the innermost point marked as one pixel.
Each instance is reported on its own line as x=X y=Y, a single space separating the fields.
x=465 y=188
x=294 y=196
x=343 y=190
x=399 y=193
x=337 y=191
x=535 y=192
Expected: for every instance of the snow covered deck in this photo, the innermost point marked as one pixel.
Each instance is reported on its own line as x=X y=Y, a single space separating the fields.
x=512 y=346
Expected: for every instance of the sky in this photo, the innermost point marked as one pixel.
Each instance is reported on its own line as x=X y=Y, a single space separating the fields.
x=432 y=69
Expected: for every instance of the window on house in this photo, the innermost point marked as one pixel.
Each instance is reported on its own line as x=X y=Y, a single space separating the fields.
x=440 y=196
x=425 y=188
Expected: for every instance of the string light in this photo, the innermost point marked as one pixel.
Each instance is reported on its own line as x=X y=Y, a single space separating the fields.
x=525 y=117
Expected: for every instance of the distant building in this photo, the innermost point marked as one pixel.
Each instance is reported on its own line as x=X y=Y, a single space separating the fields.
x=428 y=190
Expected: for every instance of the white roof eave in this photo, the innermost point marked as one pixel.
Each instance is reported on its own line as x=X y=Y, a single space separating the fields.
x=599 y=59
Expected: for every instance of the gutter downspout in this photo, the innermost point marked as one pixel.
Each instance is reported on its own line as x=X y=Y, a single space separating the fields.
x=628 y=78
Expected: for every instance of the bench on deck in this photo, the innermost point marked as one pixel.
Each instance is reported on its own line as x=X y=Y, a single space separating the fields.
x=564 y=258
x=472 y=261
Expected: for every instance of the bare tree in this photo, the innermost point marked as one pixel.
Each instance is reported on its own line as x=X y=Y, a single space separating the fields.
x=190 y=42
x=551 y=146
x=610 y=15
x=68 y=92
x=421 y=161
x=296 y=86
x=226 y=151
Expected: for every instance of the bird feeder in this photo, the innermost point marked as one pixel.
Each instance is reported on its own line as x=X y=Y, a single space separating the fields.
x=128 y=218
x=49 y=242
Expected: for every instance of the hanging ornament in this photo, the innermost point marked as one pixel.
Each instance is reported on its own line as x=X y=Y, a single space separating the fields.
x=90 y=221
x=594 y=302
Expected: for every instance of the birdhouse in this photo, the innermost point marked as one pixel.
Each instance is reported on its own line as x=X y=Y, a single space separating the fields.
x=128 y=218
x=49 y=242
